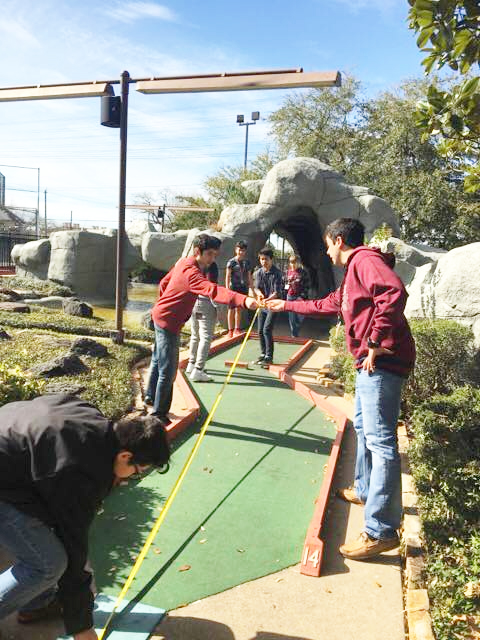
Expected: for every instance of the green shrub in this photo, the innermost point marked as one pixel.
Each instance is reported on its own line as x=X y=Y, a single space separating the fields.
x=445 y=360
x=16 y=385
x=343 y=363
x=445 y=456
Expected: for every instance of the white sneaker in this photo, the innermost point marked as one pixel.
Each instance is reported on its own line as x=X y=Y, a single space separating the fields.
x=198 y=375
x=190 y=368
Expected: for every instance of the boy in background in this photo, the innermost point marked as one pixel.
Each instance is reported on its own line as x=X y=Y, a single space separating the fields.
x=268 y=286
x=239 y=279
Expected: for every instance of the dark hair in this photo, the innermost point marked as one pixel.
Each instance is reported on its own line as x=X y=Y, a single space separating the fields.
x=349 y=230
x=266 y=251
x=205 y=242
x=241 y=244
x=145 y=438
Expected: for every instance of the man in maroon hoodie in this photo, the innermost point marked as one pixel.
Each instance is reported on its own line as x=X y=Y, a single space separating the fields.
x=178 y=292
x=371 y=300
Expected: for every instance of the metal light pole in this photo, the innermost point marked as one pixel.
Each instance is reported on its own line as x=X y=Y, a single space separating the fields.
x=241 y=122
x=119 y=333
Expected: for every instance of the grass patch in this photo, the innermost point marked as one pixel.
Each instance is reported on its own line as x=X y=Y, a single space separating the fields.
x=108 y=384
x=56 y=320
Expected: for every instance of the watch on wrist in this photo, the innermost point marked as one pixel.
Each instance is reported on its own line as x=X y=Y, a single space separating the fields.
x=372 y=344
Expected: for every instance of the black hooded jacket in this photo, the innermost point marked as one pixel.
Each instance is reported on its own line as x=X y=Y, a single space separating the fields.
x=56 y=464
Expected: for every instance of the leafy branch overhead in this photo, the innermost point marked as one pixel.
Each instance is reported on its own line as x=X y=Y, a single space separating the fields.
x=449 y=33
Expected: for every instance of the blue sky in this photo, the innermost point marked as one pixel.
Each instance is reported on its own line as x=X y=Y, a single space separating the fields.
x=174 y=142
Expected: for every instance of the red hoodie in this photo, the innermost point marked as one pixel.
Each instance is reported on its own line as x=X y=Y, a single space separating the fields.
x=178 y=291
x=371 y=300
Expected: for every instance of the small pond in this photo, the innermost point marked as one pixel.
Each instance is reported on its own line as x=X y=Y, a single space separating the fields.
x=141 y=297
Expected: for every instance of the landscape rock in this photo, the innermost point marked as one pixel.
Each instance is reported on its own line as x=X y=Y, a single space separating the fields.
x=15 y=307
x=74 y=307
x=4 y=335
x=32 y=258
x=10 y=295
x=66 y=365
x=50 y=302
x=89 y=347
x=63 y=387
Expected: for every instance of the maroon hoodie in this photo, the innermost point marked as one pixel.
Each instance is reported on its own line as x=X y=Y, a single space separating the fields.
x=178 y=292
x=371 y=300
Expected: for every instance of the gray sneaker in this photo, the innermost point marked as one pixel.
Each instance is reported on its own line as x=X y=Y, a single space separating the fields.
x=198 y=375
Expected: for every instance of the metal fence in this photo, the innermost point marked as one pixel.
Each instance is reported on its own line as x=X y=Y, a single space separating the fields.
x=8 y=239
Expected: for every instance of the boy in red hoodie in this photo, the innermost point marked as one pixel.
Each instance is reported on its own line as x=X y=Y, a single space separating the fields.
x=177 y=294
x=371 y=300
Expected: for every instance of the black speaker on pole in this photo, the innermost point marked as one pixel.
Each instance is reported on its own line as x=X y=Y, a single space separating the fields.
x=111 y=108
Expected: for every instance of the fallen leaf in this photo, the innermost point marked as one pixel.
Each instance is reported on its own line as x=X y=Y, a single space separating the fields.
x=328 y=590
x=202 y=541
x=157 y=551
x=202 y=528
x=279 y=580
x=378 y=584
x=185 y=567
x=241 y=550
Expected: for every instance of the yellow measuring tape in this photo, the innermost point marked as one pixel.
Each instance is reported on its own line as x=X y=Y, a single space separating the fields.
x=176 y=487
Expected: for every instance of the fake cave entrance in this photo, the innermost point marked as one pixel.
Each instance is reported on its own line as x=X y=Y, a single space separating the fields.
x=302 y=231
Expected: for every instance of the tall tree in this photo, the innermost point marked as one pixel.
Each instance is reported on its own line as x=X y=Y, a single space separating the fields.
x=449 y=33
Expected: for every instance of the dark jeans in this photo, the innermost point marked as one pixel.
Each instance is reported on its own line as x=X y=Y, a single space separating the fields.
x=266 y=320
x=294 y=319
x=163 y=369
x=39 y=562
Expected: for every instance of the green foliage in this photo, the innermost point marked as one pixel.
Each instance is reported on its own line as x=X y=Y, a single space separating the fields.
x=56 y=320
x=43 y=287
x=194 y=219
x=445 y=461
x=449 y=33
x=343 y=363
x=225 y=187
x=376 y=143
x=16 y=385
x=445 y=360
x=108 y=383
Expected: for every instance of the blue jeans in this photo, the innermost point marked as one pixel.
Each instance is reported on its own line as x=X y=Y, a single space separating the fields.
x=40 y=561
x=163 y=369
x=377 y=467
x=294 y=319
x=266 y=320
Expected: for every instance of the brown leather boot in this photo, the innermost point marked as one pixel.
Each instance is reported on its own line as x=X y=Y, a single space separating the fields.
x=348 y=495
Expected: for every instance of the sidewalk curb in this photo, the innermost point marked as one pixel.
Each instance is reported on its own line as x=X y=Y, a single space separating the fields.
x=417 y=604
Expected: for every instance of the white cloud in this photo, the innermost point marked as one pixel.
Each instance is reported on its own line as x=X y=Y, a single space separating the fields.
x=131 y=11
x=17 y=32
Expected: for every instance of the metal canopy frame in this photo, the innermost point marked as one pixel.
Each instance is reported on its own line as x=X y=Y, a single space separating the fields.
x=239 y=81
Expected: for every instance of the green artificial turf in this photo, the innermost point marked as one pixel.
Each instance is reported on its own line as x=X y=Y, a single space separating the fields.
x=245 y=504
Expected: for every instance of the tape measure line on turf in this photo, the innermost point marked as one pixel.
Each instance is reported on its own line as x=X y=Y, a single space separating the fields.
x=176 y=486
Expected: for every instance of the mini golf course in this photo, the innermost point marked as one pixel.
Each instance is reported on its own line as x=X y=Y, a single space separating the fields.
x=245 y=505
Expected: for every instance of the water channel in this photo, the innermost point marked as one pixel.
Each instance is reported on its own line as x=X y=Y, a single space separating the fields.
x=140 y=299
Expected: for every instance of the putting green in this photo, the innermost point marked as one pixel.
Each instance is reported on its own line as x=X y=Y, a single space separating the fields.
x=244 y=507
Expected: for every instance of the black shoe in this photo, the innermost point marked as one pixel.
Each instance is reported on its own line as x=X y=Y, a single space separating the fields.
x=267 y=362
x=260 y=360
x=148 y=401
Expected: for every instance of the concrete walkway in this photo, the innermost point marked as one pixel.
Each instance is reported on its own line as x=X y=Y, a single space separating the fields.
x=350 y=601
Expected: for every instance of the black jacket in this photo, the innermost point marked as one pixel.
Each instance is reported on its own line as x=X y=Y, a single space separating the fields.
x=56 y=464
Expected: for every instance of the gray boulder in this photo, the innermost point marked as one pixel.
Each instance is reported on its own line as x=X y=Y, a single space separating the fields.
x=50 y=302
x=162 y=250
x=74 y=307
x=254 y=188
x=66 y=365
x=14 y=307
x=63 y=386
x=31 y=258
x=89 y=347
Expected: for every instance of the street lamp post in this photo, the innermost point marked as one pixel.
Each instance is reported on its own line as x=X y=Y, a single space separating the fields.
x=241 y=122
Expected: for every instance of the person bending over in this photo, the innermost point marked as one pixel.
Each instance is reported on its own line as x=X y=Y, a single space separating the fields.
x=59 y=458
